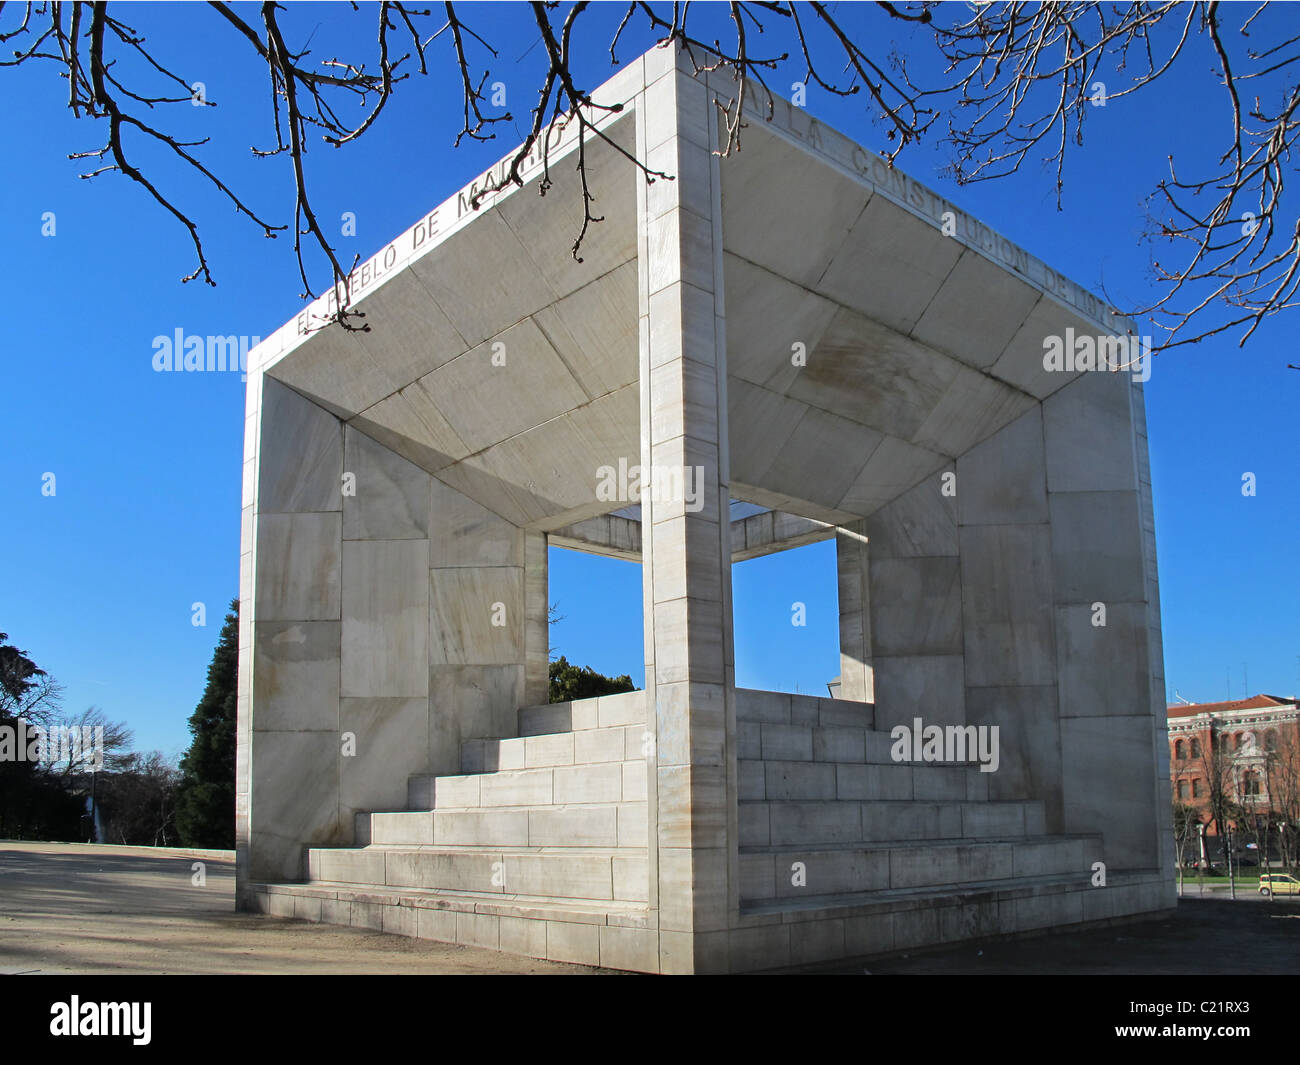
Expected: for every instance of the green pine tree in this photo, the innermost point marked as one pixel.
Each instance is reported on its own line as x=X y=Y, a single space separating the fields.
x=205 y=803
x=583 y=682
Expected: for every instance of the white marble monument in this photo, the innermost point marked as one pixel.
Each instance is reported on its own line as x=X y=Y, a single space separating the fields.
x=796 y=325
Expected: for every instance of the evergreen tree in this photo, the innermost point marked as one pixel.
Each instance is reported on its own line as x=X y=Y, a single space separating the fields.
x=205 y=802
x=583 y=682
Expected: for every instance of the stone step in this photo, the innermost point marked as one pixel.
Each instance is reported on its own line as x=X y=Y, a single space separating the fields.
x=782 y=708
x=561 y=785
x=814 y=821
x=585 y=746
x=792 y=872
x=619 y=935
x=582 y=825
x=779 y=780
x=825 y=928
x=774 y=932
x=605 y=711
x=561 y=873
x=903 y=899
x=761 y=740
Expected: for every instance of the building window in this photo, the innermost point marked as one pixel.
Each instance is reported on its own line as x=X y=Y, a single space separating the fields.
x=1196 y=788
x=1250 y=783
x=1196 y=748
x=1179 y=752
x=1270 y=740
x=1237 y=742
x=1182 y=789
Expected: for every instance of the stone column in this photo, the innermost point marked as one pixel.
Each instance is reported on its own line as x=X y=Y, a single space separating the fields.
x=1155 y=639
x=1103 y=563
x=914 y=631
x=857 y=678
x=537 y=628
x=384 y=668
x=1007 y=611
x=291 y=633
x=483 y=605
x=686 y=549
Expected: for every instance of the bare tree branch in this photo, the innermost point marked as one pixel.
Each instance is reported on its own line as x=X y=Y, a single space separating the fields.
x=1018 y=80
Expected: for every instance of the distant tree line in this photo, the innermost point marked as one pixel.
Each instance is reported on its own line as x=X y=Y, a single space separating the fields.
x=582 y=682
x=106 y=792
x=143 y=798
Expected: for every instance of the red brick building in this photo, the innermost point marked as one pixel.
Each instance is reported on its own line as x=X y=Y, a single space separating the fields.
x=1241 y=755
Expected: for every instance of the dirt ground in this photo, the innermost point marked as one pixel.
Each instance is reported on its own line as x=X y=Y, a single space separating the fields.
x=69 y=908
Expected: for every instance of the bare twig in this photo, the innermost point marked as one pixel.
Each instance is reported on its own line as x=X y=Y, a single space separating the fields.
x=1020 y=79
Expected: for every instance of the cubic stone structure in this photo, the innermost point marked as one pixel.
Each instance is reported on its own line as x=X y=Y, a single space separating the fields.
x=798 y=326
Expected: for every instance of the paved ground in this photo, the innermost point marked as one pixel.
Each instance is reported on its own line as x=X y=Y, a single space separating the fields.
x=68 y=908
x=1209 y=936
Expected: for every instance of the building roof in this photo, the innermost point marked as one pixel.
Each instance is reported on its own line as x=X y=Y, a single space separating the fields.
x=1255 y=702
x=921 y=340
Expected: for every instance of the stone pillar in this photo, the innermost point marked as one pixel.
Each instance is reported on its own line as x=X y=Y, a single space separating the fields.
x=915 y=607
x=537 y=620
x=483 y=610
x=1155 y=640
x=384 y=668
x=247 y=593
x=686 y=550
x=857 y=677
x=1103 y=563
x=291 y=610
x=1007 y=611
x=385 y=619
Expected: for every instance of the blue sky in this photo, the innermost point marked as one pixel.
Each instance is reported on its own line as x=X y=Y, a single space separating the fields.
x=101 y=577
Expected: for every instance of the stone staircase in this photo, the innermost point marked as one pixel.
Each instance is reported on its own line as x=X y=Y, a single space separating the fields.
x=539 y=845
x=546 y=815
x=846 y=853
x=828 y=818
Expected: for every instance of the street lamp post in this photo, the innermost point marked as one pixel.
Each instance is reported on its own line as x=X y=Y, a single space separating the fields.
x=1232 y=883
x=1200 y=866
